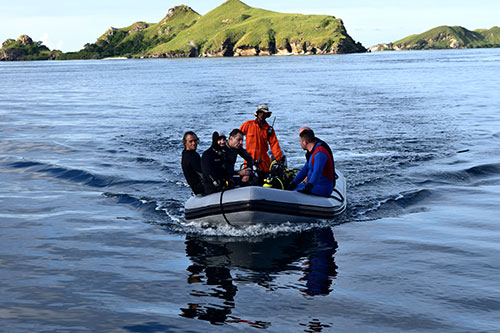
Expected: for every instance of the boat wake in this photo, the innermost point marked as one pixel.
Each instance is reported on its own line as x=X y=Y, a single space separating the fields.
x=77 y=176
x=161 y=202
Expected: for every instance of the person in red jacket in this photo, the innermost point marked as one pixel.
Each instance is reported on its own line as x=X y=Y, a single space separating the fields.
x=259 y=136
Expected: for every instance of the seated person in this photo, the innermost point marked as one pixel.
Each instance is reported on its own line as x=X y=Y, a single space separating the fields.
x=213 y=166
x=327 y=147
x=191 y=162
x=318 y=168
x=234 y=147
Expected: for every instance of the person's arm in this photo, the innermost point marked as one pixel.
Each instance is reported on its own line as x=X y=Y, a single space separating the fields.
x=302 y=174
x=319 y=163
x=244 y=127
x=275 y=146
x=209 y=172
x=246 y=156
x=196 y=164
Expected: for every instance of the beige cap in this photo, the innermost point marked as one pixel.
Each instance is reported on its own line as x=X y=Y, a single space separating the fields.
x=263 y=108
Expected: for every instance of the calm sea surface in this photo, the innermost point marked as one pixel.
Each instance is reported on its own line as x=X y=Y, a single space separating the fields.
x=92 y=234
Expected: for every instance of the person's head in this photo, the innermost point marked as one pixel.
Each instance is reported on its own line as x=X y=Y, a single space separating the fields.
x=217 y=138
x=307 y=138
x=304 y=128
x=262 y=112
x=190 y=140
x=222 y=140
x=235 y=139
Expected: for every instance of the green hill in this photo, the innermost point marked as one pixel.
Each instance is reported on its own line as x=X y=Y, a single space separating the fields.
x=138 y=38
x=232 y=29
x=24 y=48
x=491 y=36
x=445 y=37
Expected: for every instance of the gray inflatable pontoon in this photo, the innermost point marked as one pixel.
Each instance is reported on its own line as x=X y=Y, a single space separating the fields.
x=254 y=204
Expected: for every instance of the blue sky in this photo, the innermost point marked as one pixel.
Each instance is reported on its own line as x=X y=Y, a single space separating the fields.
x=67 y=25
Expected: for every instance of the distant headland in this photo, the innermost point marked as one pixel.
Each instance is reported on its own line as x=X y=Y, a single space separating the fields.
x=445 y=37
x=232 y=29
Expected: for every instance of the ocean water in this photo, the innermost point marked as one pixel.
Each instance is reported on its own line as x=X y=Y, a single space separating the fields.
x=92 y=234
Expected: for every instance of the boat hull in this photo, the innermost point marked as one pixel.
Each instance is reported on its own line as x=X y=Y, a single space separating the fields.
x=253 y=204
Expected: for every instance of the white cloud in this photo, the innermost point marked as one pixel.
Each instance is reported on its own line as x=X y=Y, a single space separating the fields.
x=59 y=45
x=44 y=38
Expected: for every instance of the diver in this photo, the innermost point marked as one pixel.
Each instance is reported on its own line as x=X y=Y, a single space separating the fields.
x=234 y=147
x=191 y=163
x=217 y=163
x=318 y=168
x=328 y=149
x=213 y=166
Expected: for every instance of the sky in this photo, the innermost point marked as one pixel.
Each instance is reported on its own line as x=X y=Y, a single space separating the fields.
x=69 y=24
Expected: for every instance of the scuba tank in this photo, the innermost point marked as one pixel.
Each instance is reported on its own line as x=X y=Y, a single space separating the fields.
x=279 y=176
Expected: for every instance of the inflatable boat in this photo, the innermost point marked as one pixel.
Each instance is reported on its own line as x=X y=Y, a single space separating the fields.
x=250 y=205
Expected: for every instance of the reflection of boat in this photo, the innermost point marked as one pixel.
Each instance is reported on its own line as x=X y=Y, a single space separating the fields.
x=249 y=205
x=309 y=254
x=313 y=248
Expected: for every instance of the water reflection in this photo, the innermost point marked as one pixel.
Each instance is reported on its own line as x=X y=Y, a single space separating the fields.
x=309 y=254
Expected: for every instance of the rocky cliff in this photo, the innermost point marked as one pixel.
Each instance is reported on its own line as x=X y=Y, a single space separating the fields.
x=24 y=48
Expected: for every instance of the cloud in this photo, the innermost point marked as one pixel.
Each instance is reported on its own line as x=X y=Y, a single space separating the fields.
x=59 y=45
x=44 y=38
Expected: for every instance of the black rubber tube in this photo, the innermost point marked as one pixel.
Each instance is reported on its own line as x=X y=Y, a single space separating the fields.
x=222 y=208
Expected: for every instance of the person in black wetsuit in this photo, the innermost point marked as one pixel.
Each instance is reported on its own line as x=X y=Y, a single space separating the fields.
x=191 y=162
x=234 y=147
x=217 y=163
x=213 y=166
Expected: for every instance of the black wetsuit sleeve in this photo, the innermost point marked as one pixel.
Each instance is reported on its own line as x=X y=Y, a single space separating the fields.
x=191 y=166
x=197 y=165
x=211 y=172
x=206 y=166
x=246 y=156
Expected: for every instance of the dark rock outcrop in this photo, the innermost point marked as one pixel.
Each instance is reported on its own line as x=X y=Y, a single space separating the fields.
x=24 y=48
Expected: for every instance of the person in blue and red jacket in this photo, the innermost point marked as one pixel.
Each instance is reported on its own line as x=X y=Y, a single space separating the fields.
x=319 y=167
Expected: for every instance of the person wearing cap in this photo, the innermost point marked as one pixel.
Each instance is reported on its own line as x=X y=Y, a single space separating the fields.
x=191 y=162
x=260 y=135
x=319 y=169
